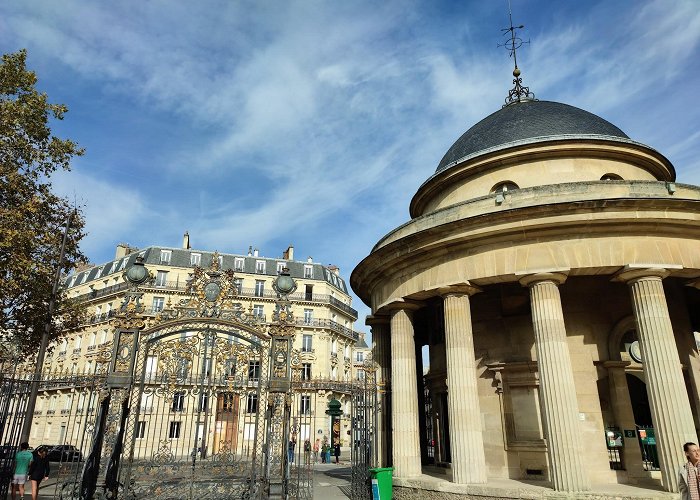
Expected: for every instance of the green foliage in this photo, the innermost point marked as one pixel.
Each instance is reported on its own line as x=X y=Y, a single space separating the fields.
x=32 y=217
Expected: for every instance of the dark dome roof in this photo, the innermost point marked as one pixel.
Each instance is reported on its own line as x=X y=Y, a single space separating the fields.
x=528 y=121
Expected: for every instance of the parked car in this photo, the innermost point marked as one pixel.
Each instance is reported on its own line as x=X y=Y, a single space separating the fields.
x=63 y=453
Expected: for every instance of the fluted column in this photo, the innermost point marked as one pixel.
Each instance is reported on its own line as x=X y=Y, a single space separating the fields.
x=668 y=398
x=404 y=400
x=466 y=440
x=381 y=354
x=557 y=387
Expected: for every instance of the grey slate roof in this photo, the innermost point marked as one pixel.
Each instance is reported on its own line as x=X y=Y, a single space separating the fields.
x=525 y=122
x=180 y=257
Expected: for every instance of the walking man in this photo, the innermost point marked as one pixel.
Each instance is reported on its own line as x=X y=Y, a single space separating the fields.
x=22 y=460
x=689 y=473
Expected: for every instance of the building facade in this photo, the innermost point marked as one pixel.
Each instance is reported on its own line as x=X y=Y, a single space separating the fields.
x=551 y=270
x=325 y=341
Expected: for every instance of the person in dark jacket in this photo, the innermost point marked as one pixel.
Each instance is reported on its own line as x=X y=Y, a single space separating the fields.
x=39 y=470
x=336 y=452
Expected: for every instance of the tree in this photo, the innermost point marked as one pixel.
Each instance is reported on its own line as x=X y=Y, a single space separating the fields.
x=32 y=217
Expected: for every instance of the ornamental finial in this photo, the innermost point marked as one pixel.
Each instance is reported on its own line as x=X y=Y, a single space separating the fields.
x=519 y=92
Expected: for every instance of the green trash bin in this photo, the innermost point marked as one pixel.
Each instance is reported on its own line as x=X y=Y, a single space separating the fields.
x=382 y=483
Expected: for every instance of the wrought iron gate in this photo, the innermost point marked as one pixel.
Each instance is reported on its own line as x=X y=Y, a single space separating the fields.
x=365 y=425
x=196 y=422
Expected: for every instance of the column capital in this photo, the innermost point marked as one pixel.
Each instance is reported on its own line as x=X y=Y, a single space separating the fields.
x=634 y=272
x=371 y=320
x=402 y=304
x=557 y=277
x=458 y=289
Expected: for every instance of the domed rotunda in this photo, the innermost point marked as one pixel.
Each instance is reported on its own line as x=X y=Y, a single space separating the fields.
x=534 y=322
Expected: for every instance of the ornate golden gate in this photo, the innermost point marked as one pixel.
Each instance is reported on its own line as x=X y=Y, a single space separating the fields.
x=197 y=401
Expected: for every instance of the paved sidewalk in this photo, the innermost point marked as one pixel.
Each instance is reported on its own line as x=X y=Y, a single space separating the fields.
x=332 y=481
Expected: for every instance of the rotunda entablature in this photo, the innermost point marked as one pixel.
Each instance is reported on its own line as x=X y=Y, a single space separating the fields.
x=590 y=228
x=555 y=160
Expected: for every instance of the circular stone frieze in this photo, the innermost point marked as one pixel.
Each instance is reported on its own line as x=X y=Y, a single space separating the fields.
x=137 y=273
x=285 y=284
x=635 y=352
x=212 y=291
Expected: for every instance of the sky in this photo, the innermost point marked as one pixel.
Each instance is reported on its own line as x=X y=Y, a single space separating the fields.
x=266 y=122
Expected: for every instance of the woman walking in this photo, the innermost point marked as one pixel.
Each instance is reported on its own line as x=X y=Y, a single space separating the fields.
x=39 y=470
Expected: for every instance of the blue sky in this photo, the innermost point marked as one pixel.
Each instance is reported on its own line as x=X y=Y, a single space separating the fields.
x=266 y=123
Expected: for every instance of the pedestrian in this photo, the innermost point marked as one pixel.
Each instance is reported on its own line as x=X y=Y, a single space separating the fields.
x=22 y=460
x=337 y=452
x=317 y=443
x=324 y=449
x=689 y=473
x=307 y=451
x=290 y=450
x=328 y=453
x=39 y=470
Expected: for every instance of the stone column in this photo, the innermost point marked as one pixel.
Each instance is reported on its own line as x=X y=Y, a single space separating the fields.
x=404 y=400
x=466 y=440
x=381 y=354
x=557 y=387
x=624 y=417
x=668 y=397
x=694 y=367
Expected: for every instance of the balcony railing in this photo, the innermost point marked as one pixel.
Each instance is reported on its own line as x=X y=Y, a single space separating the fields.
x=243 y=292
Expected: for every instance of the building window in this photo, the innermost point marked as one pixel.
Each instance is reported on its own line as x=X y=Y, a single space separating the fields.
x=360 y=356
x=165 y=256
x=308 y=272
x=347 y=351
x=334 y=373
x=254 y=370
x=158 y=304
x=309 y=292
x=280 y=267
x=611 y=177
x=260 y=266
x=504 y=187
x=174 y=431
x=162 y=278
x=151 y=365
x=360 y=375
x=305 y=405
x=195 y=259
x=203 y=402
x=334 y=346
x=306 y=371
x=238 y=285
x=308 y=316
x=259 y=288
x=178 y=401
x=306 y=343
x=251 y=403
x=238 y=264
x=258 y=311
x=140 y=430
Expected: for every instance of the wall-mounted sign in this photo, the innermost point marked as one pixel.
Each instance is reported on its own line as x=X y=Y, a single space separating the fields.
x=630 y=433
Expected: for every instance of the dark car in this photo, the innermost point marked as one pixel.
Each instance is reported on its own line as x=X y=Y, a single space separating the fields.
x=63 y=453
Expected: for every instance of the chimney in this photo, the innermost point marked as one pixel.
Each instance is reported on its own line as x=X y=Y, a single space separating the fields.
x=250 y=251
x=334 y=269
x=255 y=252
x=186 y=241
x=288 y=254
x=309 y=260
x=123 y=249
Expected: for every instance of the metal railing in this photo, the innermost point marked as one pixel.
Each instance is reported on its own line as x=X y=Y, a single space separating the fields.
x=243 y=292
